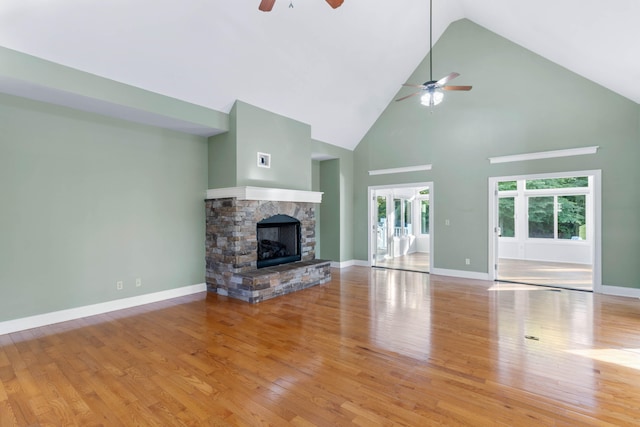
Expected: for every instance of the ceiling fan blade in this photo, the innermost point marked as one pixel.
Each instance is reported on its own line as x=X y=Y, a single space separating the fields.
x=408 y=96
x=412 y=85
x=443 y=81
x=456 y=87
x=335 y=3
x=266 y=5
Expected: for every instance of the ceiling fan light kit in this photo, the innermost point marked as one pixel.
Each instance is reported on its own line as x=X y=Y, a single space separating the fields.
x=432 y=91
x=432 y=96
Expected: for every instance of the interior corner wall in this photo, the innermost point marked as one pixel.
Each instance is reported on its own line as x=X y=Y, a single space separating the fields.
x=520 y=103
x=344 y=204
x=88 y=201
x=287 y=141
x=330 y=209
x=222 y=155
x=315 y=186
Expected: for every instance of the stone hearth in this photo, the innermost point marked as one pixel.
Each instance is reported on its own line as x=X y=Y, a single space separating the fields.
x=232 y=246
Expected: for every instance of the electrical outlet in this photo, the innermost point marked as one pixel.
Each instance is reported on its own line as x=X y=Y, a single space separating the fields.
x=138 y=282
x=467 y=261
x=119 y=285
x=447 y=222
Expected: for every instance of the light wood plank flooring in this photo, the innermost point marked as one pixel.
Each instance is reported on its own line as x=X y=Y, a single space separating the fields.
x=372 y=347
x=416 y=261
x=559 y=274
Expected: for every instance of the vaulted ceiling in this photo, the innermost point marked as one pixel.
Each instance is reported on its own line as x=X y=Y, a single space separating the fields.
x=335 y=69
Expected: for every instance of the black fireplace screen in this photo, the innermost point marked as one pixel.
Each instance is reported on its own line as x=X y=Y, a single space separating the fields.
x=278 y=240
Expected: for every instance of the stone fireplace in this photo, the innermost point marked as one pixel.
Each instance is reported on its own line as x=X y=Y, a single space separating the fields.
x=260 y=243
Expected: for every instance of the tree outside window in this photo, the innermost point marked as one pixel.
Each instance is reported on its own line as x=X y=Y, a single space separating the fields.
x=557 y=217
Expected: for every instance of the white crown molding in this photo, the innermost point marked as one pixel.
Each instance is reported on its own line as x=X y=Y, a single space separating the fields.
x=263 y=193
x=400 y=170
x=545 y=155
x=39 y=320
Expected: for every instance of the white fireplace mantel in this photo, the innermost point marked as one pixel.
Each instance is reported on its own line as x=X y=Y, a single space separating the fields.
x=263 y=193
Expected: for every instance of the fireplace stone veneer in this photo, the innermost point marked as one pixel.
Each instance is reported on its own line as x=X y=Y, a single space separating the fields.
x=232 y=250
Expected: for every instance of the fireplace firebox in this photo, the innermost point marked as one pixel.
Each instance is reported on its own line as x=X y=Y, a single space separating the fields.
x=278 y=241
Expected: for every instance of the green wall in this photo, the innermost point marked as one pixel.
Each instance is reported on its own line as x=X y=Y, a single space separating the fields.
x=330 y=209
x=336 y=210
x=19 y=68
x=315 y=186
x=520 y=103
x=223 y=164
x=256 y=130
x=89 y=200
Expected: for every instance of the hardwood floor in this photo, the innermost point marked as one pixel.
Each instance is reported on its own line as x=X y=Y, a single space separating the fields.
x=416 y=261
x=559 y=274
x=373 y=347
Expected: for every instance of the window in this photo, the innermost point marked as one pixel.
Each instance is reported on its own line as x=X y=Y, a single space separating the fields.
x=541 y=217
x=555 y=208
x=574 y=182
x=507 y=185
x=558 y=217
x=571 y=217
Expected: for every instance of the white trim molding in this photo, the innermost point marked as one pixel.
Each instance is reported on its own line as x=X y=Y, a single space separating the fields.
x=263 y=193
x=39 y=320
x=620 y=291
x=400 y=170
x=545 y=155
x=459 y=273
x=350 y=263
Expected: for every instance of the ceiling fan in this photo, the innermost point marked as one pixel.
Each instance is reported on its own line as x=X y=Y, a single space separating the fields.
x=432 y=90
x=267 y=5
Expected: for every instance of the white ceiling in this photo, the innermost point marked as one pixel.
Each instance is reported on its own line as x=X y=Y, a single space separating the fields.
x=334 y=69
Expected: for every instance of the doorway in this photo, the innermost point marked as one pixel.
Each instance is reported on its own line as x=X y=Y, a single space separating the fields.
x=400 y=226
x=545 y=229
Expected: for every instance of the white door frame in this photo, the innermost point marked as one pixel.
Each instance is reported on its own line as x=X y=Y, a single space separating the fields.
x=371 y=220
x=597 y=220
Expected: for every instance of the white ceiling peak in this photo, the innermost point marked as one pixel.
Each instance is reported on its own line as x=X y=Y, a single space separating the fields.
x=335 y=69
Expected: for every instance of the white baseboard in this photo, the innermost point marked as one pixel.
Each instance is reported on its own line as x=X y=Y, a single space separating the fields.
x=620 y=291
x=25 y=323
x=460 y=273
x=345 y=264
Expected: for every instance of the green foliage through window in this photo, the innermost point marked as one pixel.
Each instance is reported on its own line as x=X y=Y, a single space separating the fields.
x=573 y=182
x=507 y=185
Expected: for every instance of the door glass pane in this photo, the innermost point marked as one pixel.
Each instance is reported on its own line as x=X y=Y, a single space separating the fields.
x=424 y=216
x=397 y=215
x=571 y=217
x=541 y=224
x=381 y=232
x=506 y=216
x=407 y=217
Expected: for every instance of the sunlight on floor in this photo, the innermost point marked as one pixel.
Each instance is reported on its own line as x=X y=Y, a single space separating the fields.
x=627 y=357
x=518 y=287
